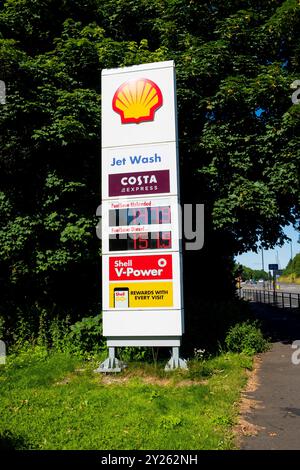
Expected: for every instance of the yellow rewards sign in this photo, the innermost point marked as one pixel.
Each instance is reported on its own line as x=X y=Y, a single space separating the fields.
x=123 y=295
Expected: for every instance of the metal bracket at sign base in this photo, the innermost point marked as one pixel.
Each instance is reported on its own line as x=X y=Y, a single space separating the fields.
x=175 y=362
x=111 y=364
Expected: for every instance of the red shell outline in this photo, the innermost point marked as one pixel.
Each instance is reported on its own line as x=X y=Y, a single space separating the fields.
x=141 y=118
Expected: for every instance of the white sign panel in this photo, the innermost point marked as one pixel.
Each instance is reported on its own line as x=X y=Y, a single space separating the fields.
x=139 y=170
x=149 y=323
x=141 y=275
x=142 y=97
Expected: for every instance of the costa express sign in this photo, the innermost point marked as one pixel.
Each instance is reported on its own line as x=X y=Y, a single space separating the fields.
x=144 y=182
x=131 y=268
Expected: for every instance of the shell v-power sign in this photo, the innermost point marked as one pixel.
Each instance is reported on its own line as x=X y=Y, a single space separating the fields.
x=141 y=252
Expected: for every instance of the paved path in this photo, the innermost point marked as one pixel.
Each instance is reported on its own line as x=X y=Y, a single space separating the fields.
x=277 y=397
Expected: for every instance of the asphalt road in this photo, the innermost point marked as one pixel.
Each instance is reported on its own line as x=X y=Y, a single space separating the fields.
x=278 y=298
x=289 y=287
x=276 y=401
x=294 y=288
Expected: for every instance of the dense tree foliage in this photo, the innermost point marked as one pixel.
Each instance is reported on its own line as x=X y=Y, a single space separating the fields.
x=238 y=130
x=293 y=267
x=248 y=274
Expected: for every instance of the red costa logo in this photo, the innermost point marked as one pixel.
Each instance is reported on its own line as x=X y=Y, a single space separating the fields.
x=143 y=182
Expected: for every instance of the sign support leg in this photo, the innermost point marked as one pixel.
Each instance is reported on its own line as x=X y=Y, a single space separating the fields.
x=111 y=364
x=175 y=362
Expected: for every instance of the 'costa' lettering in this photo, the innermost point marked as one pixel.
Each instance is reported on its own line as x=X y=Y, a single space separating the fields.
x=139 y=180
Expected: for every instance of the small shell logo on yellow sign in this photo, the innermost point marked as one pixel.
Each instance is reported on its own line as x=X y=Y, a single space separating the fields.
x=137 y=100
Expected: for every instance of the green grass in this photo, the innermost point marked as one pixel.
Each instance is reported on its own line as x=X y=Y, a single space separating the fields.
x=58 y=402
x=290 y=279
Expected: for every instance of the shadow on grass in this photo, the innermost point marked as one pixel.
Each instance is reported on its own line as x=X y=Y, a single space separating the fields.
x=10 y=441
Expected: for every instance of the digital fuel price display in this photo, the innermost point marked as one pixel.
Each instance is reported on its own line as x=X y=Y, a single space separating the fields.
x=140 y=241
x=140 y=216
x=136 y=240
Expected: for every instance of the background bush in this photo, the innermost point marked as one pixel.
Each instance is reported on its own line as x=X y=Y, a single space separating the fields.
x=246 y=337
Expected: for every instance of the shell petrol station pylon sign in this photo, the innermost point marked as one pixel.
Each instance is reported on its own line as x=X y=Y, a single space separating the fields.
x=142 y=296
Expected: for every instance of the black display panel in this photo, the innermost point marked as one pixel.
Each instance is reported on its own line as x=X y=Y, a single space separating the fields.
x=141 y=241
x=140 y=216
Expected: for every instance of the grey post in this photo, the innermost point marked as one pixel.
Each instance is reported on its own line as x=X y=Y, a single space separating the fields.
x=175 y=362
x=2 y=92
x=2 y=352
x=111 y=364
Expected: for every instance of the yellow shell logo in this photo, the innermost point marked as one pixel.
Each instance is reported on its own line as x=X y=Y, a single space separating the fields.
x=137 y=100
